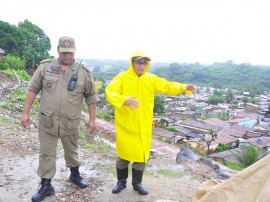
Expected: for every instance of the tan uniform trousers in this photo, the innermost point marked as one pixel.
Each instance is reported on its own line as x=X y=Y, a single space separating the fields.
x=121 y=164
x=47 y=155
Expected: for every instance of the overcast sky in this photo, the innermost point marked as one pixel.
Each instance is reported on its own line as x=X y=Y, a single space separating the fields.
x=204 y=31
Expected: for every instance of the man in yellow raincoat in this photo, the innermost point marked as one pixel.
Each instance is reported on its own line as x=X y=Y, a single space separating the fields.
x=132 y=94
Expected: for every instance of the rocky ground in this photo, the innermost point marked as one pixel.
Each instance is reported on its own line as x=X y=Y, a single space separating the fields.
x=164 y=178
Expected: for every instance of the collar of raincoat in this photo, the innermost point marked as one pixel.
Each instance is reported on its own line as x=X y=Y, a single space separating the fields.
x=136 y=54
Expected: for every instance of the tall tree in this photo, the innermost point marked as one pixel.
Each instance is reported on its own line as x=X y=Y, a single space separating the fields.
x=229 y=96
x=38 y=44
x=159 y=105
x=209 y=138
x=12 y=39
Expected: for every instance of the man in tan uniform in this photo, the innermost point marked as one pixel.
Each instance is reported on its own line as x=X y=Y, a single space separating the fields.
x=63 y=84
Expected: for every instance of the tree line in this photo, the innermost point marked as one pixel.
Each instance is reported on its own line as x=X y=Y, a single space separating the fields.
x=242 y=77
x=25 y=45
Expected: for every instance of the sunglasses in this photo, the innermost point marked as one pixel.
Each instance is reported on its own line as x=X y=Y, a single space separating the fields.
x=140 y=62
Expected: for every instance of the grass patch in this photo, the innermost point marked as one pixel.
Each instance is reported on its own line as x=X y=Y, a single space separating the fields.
x=8 y=106
x=99 y=147
x=170 y=173
x=90 y=147
x=35 y=108
x=4 y=119
x=18 y=94
x=159 y=138
x=234 y=166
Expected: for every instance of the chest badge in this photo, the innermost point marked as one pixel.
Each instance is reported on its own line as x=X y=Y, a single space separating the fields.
x=54 y=70
x=49 y=84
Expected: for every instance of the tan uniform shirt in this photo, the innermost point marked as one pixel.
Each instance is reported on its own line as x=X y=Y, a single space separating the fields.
x=60 y=109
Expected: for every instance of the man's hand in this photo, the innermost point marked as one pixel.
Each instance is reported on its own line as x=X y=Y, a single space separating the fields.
x=191 y=87
x=25 y=120
x=91 y=125
x=132 y=103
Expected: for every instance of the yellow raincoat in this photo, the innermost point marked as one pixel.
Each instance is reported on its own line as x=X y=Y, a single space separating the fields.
x=134 y=127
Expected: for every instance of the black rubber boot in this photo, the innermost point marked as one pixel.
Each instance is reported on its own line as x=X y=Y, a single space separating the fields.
x=137 y=181
x=122 y=175
x=76 y=178
x=46 y=189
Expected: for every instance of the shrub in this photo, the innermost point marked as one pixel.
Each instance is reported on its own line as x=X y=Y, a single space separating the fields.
x=247 y=156
x=170 y=129
x=222 y=147
x=12 y=62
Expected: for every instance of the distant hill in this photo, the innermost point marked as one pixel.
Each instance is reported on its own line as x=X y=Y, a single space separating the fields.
x=243 y=77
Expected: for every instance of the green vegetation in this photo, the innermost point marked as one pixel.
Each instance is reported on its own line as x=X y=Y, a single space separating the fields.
x=105 y=116
x=18 y=94
x=8 y=106
x=234 y=166
x=25 y=45
x=206 y=116
x=171 y=129
x=220 y=75
x=21 y=74
x=220 y=115
x=35 y=110
x=159 y=138
x=247 y=156
x=163 y=123
x=216 y=98
x=170 y=173
x=222 y=147
x=85 y=107
x=98 y=147
x=159 y=104
x=4 y=119
x=208 y=141
x=12 y=62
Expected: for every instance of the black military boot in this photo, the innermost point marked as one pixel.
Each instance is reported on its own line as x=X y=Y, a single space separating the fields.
x=46 y=189
x=137 y=181
x=76 y=178
x=122 y=175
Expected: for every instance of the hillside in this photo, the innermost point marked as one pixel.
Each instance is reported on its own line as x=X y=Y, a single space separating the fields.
x=19 y=148
x=242 y=77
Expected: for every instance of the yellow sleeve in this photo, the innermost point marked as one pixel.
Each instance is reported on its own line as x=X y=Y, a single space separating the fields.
x=162 y=86
x=114 y=90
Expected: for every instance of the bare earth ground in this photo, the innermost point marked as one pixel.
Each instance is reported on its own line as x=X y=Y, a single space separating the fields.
x=19 y=147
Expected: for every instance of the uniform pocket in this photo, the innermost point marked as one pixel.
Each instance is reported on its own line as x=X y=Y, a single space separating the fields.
x=46 y=119
x=76 y=96
x=73 y=123
x=49 y=83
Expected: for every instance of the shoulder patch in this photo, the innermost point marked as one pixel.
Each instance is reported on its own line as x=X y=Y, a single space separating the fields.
x=46 y=60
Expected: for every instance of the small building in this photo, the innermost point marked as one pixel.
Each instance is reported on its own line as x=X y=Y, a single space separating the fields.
x=259 y=142
x=252 y=108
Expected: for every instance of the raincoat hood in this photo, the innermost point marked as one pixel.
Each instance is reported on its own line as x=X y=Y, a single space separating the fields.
x=138 y=53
